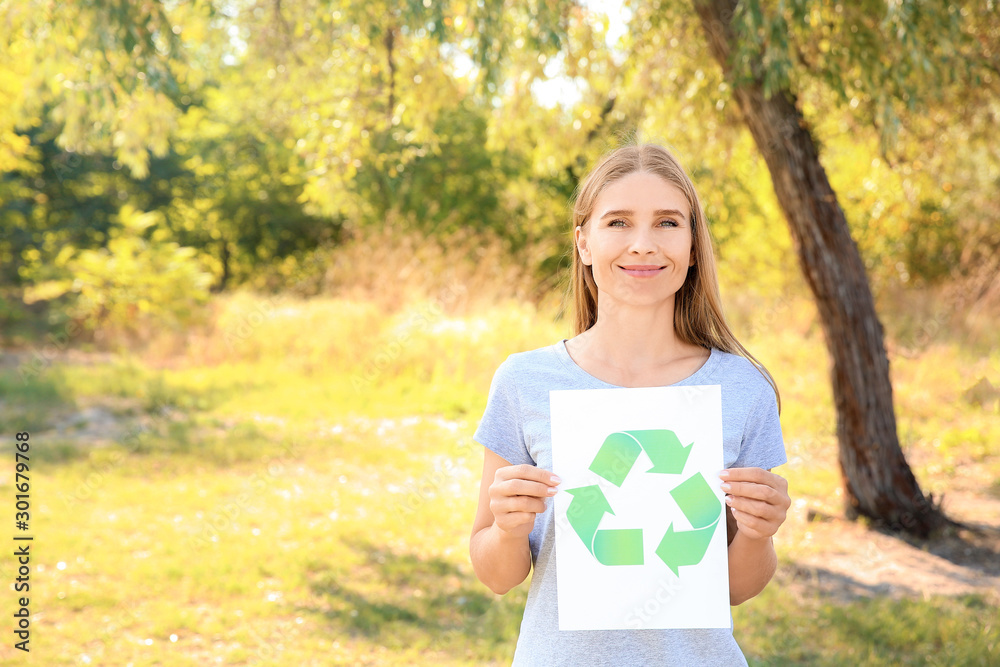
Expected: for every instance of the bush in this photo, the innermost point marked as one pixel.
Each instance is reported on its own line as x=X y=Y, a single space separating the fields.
x=133 y=286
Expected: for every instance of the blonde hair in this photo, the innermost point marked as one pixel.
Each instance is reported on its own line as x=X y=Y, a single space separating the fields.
x=698 y=316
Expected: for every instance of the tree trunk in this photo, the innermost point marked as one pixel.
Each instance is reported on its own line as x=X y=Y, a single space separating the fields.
x=878 y=481
x=224 y=258
x=390 y=42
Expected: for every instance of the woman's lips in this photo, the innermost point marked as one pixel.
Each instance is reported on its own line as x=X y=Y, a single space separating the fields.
x=642 y=270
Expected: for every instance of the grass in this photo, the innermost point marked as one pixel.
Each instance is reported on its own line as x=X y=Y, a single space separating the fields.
x=779 y=629
x=297 y=488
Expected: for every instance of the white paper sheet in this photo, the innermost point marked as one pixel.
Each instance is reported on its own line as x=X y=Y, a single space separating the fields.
x=605 y=442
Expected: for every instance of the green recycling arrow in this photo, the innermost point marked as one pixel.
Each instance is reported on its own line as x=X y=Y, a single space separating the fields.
x=585 y=512
x=613 y=462
x=664 y=449
x=620 y=451
x=610 y=547
x=622 y=546
x=702 y=508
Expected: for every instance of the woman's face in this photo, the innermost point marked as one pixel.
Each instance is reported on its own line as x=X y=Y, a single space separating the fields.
x=638 y=241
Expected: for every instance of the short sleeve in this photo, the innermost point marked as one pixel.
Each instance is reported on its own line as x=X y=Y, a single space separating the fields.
x=502 y=427
x=763 y=445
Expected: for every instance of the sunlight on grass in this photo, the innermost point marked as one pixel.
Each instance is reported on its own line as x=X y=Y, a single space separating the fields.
x=780 y=629
x=303 y=494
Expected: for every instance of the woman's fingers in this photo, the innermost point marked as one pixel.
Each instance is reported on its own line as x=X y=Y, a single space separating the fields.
x=757 y=484
x=518 y=493
x=527 y=472
x=523 y=487
x=753 y=526
x=754 y=476
x=517 y=504
x=523 y=480
x=758 y=499
x=764 y=510
x=762 y=492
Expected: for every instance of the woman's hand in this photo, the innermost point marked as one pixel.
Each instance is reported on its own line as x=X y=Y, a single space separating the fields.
x=758 y=500
x=509 y=498
x=517 y=494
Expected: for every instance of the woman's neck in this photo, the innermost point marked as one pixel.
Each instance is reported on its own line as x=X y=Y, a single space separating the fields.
x=636 y=346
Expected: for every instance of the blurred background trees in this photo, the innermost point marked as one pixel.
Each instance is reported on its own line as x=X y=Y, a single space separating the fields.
x=151 y=152
x=262 y=130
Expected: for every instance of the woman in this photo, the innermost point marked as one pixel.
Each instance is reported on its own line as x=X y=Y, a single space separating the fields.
x=648 y=314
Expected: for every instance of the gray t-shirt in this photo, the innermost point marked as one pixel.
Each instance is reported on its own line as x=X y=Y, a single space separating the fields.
x=516 y=427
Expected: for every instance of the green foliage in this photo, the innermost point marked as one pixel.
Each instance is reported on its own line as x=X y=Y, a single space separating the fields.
x=462 y=173
x=58 y=198
x=133 y=283
x=109 y=74
x=892 y=55
x=266 y=133
x=11 y=311
x=237 y=196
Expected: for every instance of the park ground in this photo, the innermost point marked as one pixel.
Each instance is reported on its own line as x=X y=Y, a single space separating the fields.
x=293 y=482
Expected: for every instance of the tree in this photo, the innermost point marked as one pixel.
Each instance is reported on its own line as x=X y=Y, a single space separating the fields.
x=753 y=52
x=111 y=74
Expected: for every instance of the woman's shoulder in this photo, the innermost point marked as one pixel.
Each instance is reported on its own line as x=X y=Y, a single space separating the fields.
x=545 y=354
x=737 y=369
x=530 y=361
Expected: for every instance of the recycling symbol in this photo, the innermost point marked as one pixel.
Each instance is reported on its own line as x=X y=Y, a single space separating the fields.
x=623 y=546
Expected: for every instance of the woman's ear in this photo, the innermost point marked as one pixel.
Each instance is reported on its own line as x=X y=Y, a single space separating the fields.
x=581 y=245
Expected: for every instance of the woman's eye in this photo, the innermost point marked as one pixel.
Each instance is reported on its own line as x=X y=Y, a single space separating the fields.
x=616 y=223
x=668 y=223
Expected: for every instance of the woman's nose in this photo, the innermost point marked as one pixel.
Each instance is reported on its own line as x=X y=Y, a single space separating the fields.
x=641 y=242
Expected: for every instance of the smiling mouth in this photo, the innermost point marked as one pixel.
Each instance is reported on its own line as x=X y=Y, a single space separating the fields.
x=642 y=270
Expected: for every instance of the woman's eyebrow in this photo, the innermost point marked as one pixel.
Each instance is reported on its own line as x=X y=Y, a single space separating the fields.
x=628 y=212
